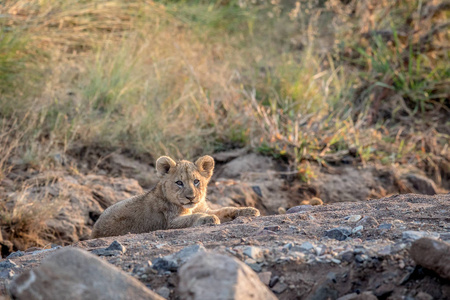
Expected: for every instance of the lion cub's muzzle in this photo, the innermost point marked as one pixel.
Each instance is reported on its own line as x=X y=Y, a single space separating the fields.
x=190 y=201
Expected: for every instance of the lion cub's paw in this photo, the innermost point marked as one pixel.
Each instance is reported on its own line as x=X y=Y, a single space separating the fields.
x=210 y=219
x=248 y=212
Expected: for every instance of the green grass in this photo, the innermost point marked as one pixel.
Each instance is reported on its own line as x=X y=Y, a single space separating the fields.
x=184 y=78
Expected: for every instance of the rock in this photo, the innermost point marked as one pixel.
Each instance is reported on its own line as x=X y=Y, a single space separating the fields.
x=265 y=277
x=254 y=252
x=306 y=246
x=6 y=264
x=272 y=228
x=423 y=296
x=368 y=222
x=348 y=256
x=226 y=156
x=415 y=235
x=174 y=261
x=325 y=289
x=357 y=229
x=361 y=296
x=249 y=163
x=340 y=233
x=385 y=226
x=117 y=246
x=16 y=254
x=71 y=273
x=421 y=184
x=104 y=252
x=353 y=218
x=279 y=287
x=164 y=292
x=6 y=274
x=216 y=276
x=445 y=236
x=432 y=254
x=300 y=208
x=252 y=264
x=383 y=291
x=114 y=249
x=288 y=246
x=361 y=258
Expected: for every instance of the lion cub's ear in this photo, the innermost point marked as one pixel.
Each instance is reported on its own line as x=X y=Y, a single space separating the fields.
x=205 y=165
x=163 y=165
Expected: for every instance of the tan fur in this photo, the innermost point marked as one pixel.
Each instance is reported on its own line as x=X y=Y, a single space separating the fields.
x=169 y=205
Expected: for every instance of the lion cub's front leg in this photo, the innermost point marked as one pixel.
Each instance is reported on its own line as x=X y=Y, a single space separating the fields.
x=193 y=220
x=230 y=213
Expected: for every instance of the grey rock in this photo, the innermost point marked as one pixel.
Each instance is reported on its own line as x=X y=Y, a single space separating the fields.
x=368 y=222
x=348 y=256
x=300 y=208
x=272 y=228
x=336 y=261
x=274 y=280
x=216 y=276
x=6 y=264
x=117 y=246
x=361 y=296
x=279 y=288
x=385 y=226
x=306 y=246
x=288 y=246
x=6 y=274
x=163 y=292
x=325 y=289
x=415 y=235
x=72 y=273
x=340 y=233
x=255 y=267
x=432 y=254
x=357 y=229
x=16 y=254
x=445 y=236
x=361 y=258
x=254 y=252
x=163 y=264
x=174 y=261
x=104 y=252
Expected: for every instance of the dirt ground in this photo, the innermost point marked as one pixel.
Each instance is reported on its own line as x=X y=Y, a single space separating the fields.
x=299 y=258
x=373 y=258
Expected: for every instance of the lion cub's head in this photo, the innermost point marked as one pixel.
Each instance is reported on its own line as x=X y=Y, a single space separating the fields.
x=184 y=183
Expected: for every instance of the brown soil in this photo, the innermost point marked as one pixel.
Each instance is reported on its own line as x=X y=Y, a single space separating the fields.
x=383 y=267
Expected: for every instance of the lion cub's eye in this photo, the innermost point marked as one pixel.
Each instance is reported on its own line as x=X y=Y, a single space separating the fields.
x=196 y=182
x=179 y=183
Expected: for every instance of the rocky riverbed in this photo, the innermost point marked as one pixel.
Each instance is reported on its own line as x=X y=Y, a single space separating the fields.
x=348 y=250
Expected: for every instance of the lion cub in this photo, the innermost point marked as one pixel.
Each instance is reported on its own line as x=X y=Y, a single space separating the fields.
x=177 y=201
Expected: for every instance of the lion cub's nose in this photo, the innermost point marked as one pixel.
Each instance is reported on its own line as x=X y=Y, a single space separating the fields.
x=190 y=198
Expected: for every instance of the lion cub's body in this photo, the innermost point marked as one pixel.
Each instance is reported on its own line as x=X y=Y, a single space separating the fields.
x=177 y=201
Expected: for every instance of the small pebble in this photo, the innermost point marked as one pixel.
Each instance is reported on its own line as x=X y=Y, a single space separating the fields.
x=415 y=235
x=353 y=218
x=385 y=226
x=357 y=229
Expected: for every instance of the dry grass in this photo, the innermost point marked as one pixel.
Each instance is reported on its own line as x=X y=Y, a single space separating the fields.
x=307 y=80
